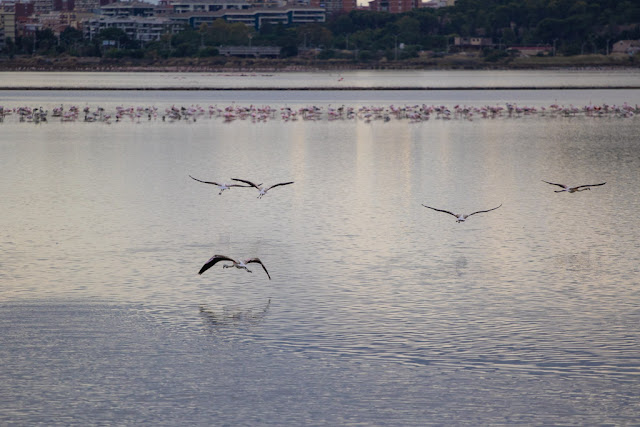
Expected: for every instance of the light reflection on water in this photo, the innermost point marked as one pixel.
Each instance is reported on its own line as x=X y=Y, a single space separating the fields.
x=375 y=301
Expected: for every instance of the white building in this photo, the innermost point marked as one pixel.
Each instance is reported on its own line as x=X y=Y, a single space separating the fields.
x=136 y=27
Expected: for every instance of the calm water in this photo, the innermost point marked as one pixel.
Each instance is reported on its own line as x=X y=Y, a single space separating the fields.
x=380 y=312
x=339 y=79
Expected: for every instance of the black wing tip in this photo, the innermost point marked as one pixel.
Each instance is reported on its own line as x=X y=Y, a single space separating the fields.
x=246 y=181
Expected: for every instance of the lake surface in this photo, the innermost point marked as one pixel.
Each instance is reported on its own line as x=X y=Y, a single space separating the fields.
x=360 y=79
x=379 y=311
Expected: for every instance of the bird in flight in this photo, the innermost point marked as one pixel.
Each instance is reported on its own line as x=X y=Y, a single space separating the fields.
x=237 y=264
x=573 y=189
x=462 y=217
x=222 y=186
x=262 y=190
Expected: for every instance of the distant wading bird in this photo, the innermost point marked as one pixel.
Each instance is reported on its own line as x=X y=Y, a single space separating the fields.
x=222 y=186
x=263 y=191
x=462 y=217
x=573 y=189
x=237 y=264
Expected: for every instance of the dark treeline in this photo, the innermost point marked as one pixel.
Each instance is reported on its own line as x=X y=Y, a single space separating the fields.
x=571 y=26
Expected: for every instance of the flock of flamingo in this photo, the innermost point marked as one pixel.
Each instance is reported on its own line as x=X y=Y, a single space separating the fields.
x=413 y=113
x=254 y=113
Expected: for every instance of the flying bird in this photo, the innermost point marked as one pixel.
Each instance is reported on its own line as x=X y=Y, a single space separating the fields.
x=262 y=190
x=237 y=264
x=222 y=186
x=573 y=189
x=462 y=217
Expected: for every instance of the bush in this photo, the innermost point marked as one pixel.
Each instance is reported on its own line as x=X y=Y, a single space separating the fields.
x=327 y=54
x=207 y=52
x=495 y=55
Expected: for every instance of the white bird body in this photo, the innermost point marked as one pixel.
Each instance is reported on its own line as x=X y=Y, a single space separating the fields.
x=241 y=264
x=222 y=187
x=261 y=190
x=568 y=189
x=461 y=217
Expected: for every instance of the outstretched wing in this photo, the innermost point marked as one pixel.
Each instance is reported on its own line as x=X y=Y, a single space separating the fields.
x=590 y=185
x=282 y=183
x=246 y=182
x=553 y=183
x=259 y=262
x=488 y=210
x=441 y=210
x=206 y=182
x=213 y=260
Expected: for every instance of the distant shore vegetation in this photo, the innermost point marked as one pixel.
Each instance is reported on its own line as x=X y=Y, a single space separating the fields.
x=567 y=33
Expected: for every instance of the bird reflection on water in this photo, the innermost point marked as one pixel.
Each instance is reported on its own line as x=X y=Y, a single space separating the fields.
x=232 y=316
x=461 y=265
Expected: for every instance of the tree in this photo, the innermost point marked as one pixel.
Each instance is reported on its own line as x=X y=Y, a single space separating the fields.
x=45 y=41
x=10 y=47
x=116 y=35
x=315 y=35
x=70 y=36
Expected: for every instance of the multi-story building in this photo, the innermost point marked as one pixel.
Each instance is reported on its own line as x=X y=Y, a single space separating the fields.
x=64 y=5
x=335 y=6
x=202 y=6
x=136 y=27
x=133 y=8
x=57 y=21
x=42 y=6
x=254 y=17
x=90 y=5
x=7 y=24
x=180 y=6
x=393 y=6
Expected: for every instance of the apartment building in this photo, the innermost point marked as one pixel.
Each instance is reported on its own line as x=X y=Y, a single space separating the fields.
x=254 y=17
x=136 y=27
x=7 y=24
x=335 y=6
x=393 y=6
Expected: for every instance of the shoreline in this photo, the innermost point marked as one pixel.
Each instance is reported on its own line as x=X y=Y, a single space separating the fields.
x=253 y=65
x=311 y=89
